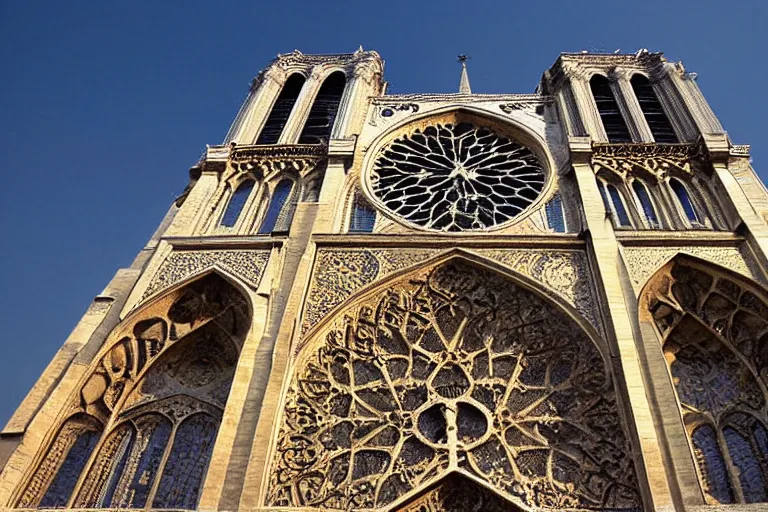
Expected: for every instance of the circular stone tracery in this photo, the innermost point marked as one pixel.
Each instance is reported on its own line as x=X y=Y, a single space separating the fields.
x=456 y=177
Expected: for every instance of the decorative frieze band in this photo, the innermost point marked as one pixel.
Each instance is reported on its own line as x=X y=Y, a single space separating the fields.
x=656 y=159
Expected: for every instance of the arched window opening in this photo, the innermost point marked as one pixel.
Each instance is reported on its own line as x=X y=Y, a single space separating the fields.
x=363 y=215
x=276 y=206
x=712 y=328
x=646 y=205
x=555 y=214
x=614 y=204
x=281 y=110
x=685 y=202
x=236 y=203
x=654 y=114
x=324 y=110
x=613 y=122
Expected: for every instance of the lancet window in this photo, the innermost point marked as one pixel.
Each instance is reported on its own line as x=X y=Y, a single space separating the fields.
x=555 y=214
x=654 y=114
x=614 y=204
x=277 y=216
x=645 y=204
x=322 y=115
x=685 y=202
x=281 y=110
x=149 y=409
x=613 y=121
x=363 y=215
x=236 y=203
x=714 y=328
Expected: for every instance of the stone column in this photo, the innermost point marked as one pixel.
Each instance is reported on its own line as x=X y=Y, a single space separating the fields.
x=625 y=357
x=630 y=106
x=359 y=88
x=268 y=89
x=590 y=116
x=697 y=106
x=300 y=112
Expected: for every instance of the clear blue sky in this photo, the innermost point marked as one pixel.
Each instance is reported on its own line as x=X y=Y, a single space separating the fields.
x=106 y=105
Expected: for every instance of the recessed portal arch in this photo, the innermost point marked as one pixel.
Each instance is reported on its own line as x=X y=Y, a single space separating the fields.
x=452 y=368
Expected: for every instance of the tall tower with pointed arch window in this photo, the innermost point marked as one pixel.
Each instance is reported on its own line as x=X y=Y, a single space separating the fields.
x=429 y=302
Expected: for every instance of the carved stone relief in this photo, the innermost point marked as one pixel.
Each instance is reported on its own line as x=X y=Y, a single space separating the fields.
x=248 y=265
x=655 y=159
x=457 y=493
x=642 y=262
x=339 y=273
x=451 y=369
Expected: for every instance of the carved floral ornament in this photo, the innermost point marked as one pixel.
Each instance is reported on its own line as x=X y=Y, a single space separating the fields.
x=713 y=326
x=456 y=172
x=267 y=161
x=657 y=160
x=141 y=426
x=456 y=372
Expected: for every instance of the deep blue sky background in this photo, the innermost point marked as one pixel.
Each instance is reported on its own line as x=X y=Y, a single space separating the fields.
x=105 y=106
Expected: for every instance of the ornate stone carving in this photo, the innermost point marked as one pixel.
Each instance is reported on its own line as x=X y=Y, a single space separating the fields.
x=642 y=262
x=714 y=329
x=656 y=159
x=456 y=493
x=452 y=369
x=247 y=265
x=265 y=161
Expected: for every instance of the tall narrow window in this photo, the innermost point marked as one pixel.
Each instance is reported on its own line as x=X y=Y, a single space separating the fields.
x=620 y=212
x=282 y=108
x=613 y=122
x=276 y=203
x=363 y=216
x=685 y=201
x=324 y=110
x=555 y=216
x=236 y=203
x=644 y=200
x=654 y=113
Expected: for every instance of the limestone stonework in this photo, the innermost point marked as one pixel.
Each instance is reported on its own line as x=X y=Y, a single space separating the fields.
x=429 y=302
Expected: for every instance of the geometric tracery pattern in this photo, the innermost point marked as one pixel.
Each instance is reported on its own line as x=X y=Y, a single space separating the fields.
x=715 y=339
x=456 y=177
x=452 y=369
x=159 y=389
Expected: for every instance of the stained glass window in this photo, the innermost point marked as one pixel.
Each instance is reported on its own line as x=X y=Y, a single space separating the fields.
x=324 y=110
x=613 y=122
x=745 y=458
x=711 y=464
x=555 y=216
x=276 y=204
x=63 y=484
x=281 y=110
x=618 y=206
x=236 y=203
x=363 y=216
x=645 y=203
x=685 y=201
x=653 y=112
x=187 y=463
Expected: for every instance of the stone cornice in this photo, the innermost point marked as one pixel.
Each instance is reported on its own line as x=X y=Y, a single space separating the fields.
x=536 y=99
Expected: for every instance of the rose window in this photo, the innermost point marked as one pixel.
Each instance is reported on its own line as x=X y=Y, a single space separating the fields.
x=456 y=177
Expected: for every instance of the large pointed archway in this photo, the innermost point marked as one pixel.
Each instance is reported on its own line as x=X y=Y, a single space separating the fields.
x=713 y=327
x=452 y=368
x=141 y=427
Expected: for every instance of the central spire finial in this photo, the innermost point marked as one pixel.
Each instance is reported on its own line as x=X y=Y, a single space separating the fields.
x=464 y=82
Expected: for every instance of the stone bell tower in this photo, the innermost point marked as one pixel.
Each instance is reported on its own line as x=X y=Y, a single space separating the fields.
x=429 y=302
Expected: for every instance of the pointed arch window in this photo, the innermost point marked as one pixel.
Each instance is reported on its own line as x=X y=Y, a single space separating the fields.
x=281 y=110
x=645 y=203
x=363 y=215
x=555 y=214
x=610 y=115
x=276 y=206
x=319 y=124
x=684 y=199
x=654 y=114
x=614 y=204
x=237 y=203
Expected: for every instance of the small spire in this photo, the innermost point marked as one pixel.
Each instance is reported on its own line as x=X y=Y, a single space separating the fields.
x=464 y=82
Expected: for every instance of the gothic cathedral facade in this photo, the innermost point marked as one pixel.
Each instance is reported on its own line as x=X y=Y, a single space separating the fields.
x=429 y=302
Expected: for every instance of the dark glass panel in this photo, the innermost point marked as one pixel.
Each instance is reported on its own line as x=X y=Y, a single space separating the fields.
x=63 y=484
x=363 y=216
x=187 y=463
x=281 y=110
x=613 y=122
x=618 y=206
x=324 y=110
x=282 y=190
x=236 y=203
x=555 y=216
x=753 y=482
x=122 y=454
x=655 y=116
x=685 y=201
x=647 y=205
x=712 y=465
